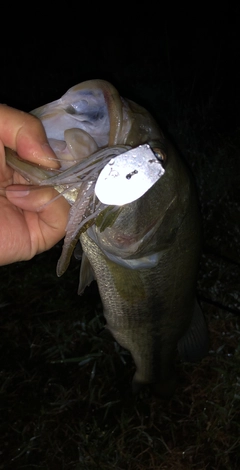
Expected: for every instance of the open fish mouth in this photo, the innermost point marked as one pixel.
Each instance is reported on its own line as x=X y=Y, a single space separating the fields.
x=87 y=127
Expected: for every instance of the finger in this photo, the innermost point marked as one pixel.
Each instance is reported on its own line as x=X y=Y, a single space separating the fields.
x=50 y=208
x=5 y=171
x=25 y=133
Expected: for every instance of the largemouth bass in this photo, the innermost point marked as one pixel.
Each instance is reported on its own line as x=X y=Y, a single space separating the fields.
x=143 y=254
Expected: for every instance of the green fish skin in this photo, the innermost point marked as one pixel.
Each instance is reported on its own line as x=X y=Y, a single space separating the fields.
x=145 y=254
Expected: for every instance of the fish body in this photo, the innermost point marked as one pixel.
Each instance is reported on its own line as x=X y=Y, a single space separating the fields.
x=144 y=254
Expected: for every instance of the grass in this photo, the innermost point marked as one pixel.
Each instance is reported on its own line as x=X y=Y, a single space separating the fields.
x=66 y=399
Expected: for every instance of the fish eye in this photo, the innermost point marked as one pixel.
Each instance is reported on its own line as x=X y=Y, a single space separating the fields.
x=159 y=150
x=159 y=154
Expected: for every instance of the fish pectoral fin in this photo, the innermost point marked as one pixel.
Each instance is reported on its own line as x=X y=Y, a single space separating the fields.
x=86 y=274
x=194 y=345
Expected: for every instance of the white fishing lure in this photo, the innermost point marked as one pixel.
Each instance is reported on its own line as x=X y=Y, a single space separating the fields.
x=128 y=176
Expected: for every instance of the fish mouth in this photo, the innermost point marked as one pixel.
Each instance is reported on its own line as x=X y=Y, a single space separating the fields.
x=86 y=127
x=94 y=106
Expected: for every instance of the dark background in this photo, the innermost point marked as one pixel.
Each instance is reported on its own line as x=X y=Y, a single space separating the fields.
x=182 y=64
x=190 y=52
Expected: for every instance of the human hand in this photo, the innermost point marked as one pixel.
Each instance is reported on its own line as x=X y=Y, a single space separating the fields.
x=26 y=230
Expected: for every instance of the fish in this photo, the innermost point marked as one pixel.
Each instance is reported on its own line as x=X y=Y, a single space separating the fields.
x=144 y=254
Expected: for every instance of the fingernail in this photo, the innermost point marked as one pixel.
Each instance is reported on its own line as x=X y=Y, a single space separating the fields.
x=17 y=193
